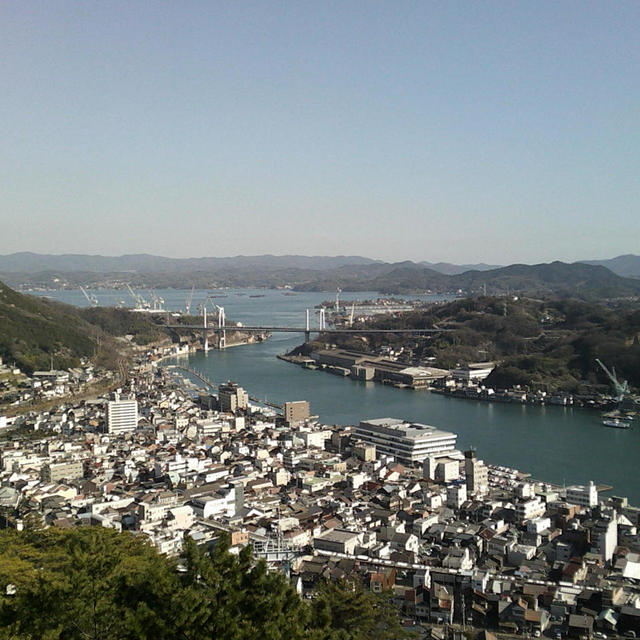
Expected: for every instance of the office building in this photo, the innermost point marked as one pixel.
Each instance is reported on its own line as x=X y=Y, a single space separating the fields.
x=476 y=473
x=296 y=412
x=232 y=397
x=408 y=442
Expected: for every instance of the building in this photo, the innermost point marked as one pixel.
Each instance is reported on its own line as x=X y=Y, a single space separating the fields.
x=441 y=470
x=584 y=496
x=473 y=372
x=456 y=495
x=122 y=415
x=365 y=452
x=56 y=471
x=408 y=442
x=231 y=397
x=296 y=412
x=605 y=533
x=476 y=473
x=530 y=509
x=337 y=541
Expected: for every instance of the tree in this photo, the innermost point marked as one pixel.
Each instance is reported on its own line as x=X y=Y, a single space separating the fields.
x=345 y=610
x=90 y=583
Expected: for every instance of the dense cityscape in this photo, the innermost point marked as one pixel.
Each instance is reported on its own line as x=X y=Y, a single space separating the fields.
x=389 y=503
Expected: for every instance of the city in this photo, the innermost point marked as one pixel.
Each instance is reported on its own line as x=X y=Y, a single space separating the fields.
x=390 y=503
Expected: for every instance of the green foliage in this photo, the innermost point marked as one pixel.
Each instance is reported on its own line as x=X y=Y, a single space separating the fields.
x=36 y=332
x=348 y=611
x=121 y=322
x=94 y=583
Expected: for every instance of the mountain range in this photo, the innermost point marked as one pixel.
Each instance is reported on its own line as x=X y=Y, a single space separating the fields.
x=321 y=273
x=27 y=262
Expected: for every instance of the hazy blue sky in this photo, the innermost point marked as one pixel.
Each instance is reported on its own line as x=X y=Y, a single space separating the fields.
x=458 y=131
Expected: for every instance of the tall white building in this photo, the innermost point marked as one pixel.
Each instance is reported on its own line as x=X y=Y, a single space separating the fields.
x=408 y=442
x=605 y=533
x=122 y=415
x=584 y=496
x=476 y=473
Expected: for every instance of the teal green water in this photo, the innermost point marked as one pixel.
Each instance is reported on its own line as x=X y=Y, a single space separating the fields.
x=552 y=443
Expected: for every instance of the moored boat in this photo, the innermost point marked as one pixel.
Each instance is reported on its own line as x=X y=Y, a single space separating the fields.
x=616 y=423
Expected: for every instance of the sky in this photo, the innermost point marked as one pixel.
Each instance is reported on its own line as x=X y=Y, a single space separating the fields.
x=451 y=131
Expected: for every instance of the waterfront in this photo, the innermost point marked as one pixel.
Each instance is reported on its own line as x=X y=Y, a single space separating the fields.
x=552 y=443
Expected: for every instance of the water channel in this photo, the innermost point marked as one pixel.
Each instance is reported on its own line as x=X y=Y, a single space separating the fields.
x=561 y=445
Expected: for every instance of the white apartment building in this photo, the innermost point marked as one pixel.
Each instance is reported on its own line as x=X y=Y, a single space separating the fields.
x=530 y=509
x=583 y=496
x=408 y=442
x=122 y=415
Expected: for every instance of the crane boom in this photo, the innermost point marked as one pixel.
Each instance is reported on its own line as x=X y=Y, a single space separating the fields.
x=621 y=388
x=187 y=304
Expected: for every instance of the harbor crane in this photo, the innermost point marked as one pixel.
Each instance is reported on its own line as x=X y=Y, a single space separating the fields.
x=140 y=302
x=91 y=299
x=188 y=301
x=158 y=301
x=621 y=388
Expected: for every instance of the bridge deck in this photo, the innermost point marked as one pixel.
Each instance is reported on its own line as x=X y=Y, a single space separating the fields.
x=215 y=329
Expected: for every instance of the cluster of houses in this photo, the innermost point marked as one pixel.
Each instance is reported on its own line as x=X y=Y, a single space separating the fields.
x=18 y=388
x=392 y=504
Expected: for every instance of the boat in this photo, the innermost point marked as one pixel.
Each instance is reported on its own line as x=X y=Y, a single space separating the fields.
x=616 y=423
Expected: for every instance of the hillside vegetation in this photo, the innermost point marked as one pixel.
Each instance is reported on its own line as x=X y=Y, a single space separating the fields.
x=94 y=583
x=549 y=344
x=36 y=333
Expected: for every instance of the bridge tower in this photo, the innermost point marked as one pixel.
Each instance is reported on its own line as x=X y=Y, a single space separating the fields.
x=222 y=334
x=321 y=320
x=307 y=332
x=205 y=334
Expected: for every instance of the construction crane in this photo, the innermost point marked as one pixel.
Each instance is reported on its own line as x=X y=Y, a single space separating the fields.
x=157 y=300
x=621 y=388
x=140 y=302
x=91 y=299
x=188 y=301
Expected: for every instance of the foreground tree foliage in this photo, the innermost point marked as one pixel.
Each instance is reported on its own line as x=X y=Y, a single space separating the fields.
x=94 y=583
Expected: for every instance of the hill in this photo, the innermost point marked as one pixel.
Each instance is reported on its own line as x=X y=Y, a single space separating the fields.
x=550 y=344
x=36 y=333
x=27 y=262
x=557 y=278
x=627 y=265
x=450 y=269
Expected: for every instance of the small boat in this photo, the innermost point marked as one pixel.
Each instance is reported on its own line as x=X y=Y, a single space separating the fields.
x=616 y=423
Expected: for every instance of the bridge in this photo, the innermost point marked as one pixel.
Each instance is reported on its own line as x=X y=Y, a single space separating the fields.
x=221 y=328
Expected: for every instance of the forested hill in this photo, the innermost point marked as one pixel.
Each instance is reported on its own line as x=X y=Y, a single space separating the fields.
x=556 y=278
x=36 y=332
x=552 y=343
